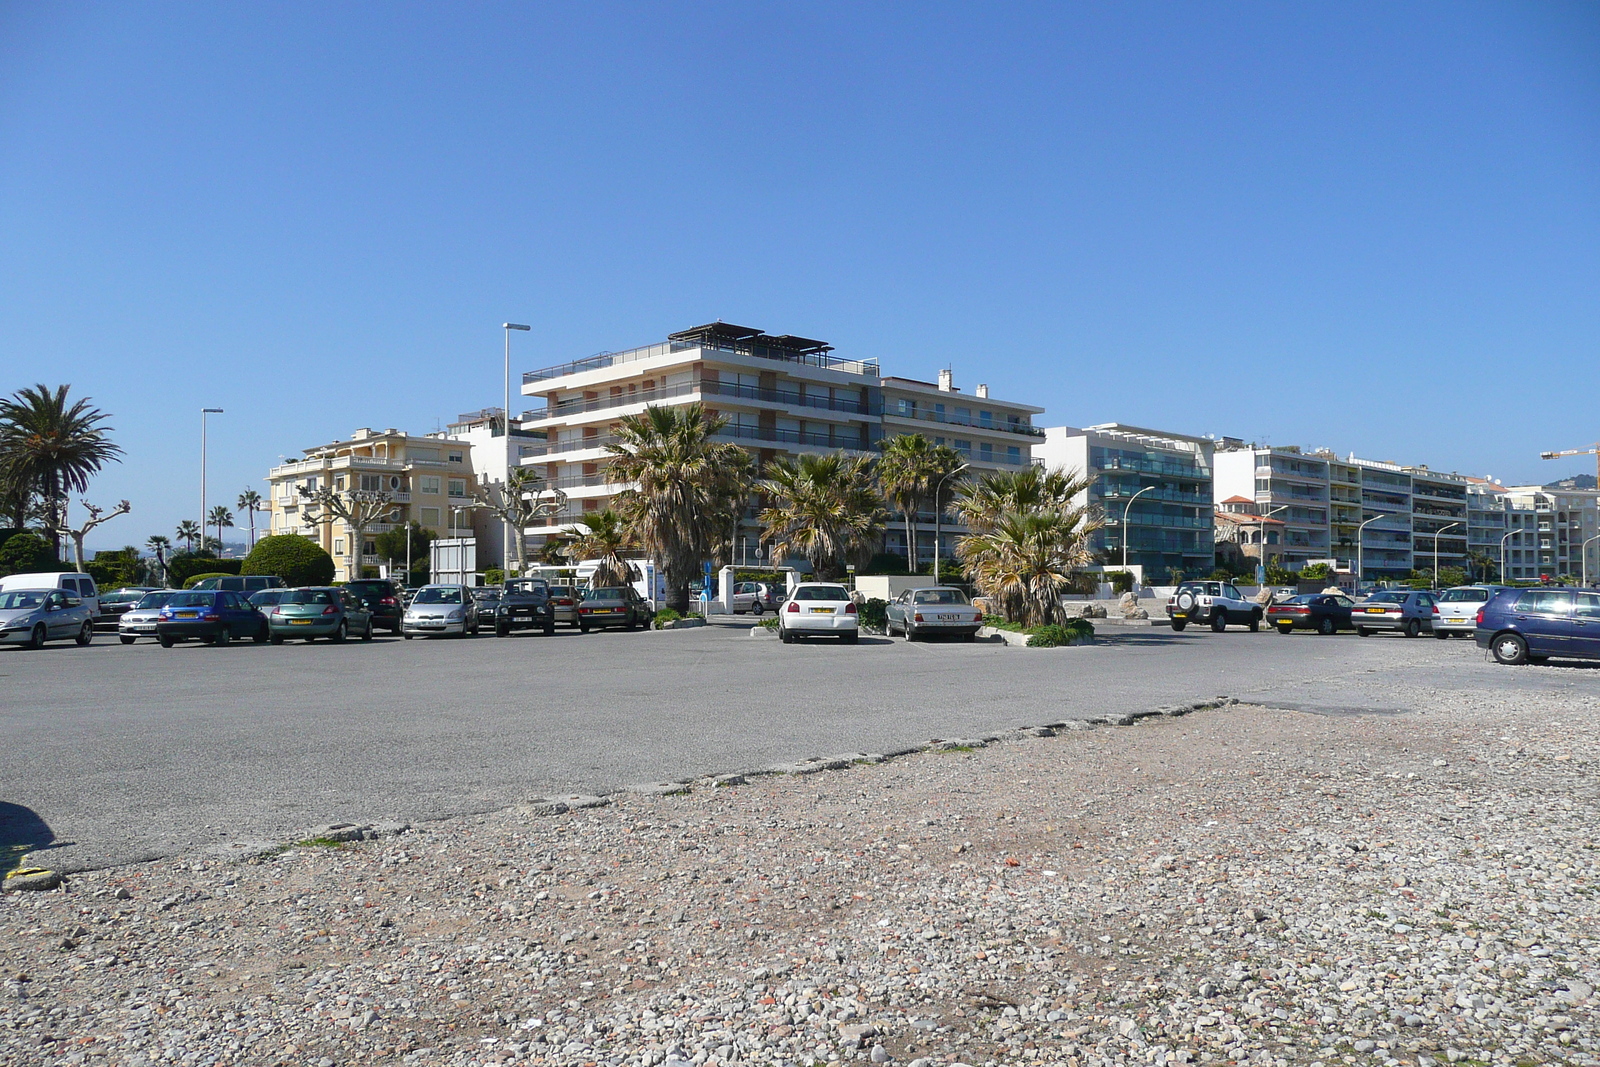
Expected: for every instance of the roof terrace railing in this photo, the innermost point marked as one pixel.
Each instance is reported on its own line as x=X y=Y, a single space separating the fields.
x=825 y=360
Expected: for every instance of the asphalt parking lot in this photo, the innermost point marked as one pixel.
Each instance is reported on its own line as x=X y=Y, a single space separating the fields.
x=117 y=753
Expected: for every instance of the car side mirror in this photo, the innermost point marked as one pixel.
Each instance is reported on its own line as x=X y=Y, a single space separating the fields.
x=73 y=602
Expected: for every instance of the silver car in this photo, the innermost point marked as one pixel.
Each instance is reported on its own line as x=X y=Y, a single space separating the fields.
x=30 y=617
x=140 y=620
x=439 y=610
x=1411 y=611
x=920 y=613
x=1458 y=609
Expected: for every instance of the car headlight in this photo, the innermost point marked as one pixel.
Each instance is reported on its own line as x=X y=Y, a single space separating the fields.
x=456 y=615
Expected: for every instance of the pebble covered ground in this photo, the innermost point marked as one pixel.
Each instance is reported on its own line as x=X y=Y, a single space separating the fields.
x=1242 y=885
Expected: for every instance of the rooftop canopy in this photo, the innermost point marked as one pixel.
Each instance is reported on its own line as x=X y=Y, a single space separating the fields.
x=727 y=335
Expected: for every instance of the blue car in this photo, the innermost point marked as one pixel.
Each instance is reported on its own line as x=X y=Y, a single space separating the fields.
x=1534 y=625
x=213 y=615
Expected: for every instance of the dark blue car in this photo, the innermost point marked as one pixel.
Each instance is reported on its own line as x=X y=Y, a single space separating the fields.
x=1534 y=625
x=214 y=615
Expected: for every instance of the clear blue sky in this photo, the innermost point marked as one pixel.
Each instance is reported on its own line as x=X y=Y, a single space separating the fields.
x=1369 y=227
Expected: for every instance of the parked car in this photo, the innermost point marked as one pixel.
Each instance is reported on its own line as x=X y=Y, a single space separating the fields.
x=1458 y=609
x=320 y=611
x=1534 y=625
x=1216 y=603
x=524 y=606
x=74 y=585
x=115 y=603
x=264 y=599
x=756 y=597
x=1325 y=613
x=564 y=599
x=613 y=605
x=381 y=599
x=819 y=608
x=240 y=583
x=213 y=615
x=1408 y=610
x=439 y=610
x=33 y=616
x=140 y=620
x=919 y=613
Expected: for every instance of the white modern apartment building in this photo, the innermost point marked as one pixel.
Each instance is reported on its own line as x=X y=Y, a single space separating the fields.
x=781 y=395
x=1560 y=526
x=484 y=432
x=1155 y=489
x=1285 y=485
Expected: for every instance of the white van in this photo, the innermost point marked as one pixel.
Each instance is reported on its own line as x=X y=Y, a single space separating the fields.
x=72 y=583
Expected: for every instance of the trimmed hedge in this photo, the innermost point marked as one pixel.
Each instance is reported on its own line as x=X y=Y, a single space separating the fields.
x=297 y=560
x=181 y=568
x=194 y=579
x=26 y=552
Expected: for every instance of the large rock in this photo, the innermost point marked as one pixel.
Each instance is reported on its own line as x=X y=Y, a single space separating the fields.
x=1128 y=604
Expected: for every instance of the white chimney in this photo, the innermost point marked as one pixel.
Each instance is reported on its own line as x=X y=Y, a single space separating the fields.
x=983 y=392
x=947 y=381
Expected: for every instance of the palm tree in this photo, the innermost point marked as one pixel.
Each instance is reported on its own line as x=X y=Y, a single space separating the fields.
x=1025 y=560
x=51 y=448
x=687 y=490
x=221 y=518
x=188 y=530
x=250 y=502
x=603 y=536
x=981 y=503
x=910 y=473
x=826 y=507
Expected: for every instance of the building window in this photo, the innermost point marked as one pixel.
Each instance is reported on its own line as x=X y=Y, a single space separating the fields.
x=311 y=485
x=906 y=407
x=986 y=452
x=369 y=548
x=455 y=457
x=430 y=516
x=371 y=482
x=338 y=546
x=338 y=483
x=1013 y=454
x=986 y=418
x=458 y=487
x=429 y=484
x=964 y=447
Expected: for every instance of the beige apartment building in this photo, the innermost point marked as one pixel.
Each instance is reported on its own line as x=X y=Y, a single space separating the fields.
x=429 y=479
x=782 y=395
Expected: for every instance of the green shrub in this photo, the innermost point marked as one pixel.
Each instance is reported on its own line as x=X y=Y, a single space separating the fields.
x=297 y=560
x=949 y=572
x=183 y=567
x=27 y=553
x=665 y=615
x=494 y=576
x=886 y=563
x=759 y=576
x=769 y=623
x=1121 y=581
x=195 y=579
x=1056 y=634
x=874 y=613
x=1315 y=572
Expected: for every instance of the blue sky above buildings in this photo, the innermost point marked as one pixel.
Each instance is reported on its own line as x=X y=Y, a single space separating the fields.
x=1373 y=228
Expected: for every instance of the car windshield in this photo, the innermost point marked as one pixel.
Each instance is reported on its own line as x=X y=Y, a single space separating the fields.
x=266 y=596
x=438 y=596
x=153 y=600
x=1307 y=599
x=22 y=599
x=1388 y=598
x=821 y=592
x=561 y=590
x=191 y=600
x=307 y=596
x=1464 y=596
x=939 y=596
x=604 y=594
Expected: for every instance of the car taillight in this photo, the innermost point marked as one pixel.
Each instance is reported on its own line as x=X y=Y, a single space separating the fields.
x=330 y=610
x=277 y=611
x=387 y=601
x=1479 y=620
x=1436 y=609
x=916 y=618
x=792 y=607
x=850 y=609
x=583 y=611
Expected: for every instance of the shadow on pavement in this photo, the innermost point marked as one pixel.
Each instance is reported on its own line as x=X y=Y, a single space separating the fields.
x=21 y=832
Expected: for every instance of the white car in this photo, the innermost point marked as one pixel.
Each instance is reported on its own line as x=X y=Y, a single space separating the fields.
x=819 y=609
x=925 y=612
x=140 y=620
x=1457 y=609
x=438 y=610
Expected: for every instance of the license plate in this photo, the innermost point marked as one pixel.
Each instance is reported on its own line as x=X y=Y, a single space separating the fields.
x=948 y=618
x=605 y=611
x=1377 y=611
x=1179 y=615
x=822 y=611
x=299 y=622
x=188 y=615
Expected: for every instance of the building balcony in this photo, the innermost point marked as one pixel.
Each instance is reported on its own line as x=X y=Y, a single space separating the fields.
x=1172 y=470
x=945 y=418
x=823 y=360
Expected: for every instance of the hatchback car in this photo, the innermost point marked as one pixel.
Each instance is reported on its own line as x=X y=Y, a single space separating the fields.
x=439 y=611
x=1458 y=609
x=613 y=605
x=1534 y=625
x=919 y=613
x=31 y=617
x=1326 y=613
x=756 y=597
x=819 y=609
x=216 y=616
x=1410 y=611
x=332 y=612
x=381 y=599
x=115 y=603
x=265 y=599
x=140 y=620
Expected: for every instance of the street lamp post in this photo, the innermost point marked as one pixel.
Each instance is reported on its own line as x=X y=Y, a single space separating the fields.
x=505 y=561
x=1261 y=536
x=1436 y=534
x=1583 y=555
x=203 y=413
x=1361 y=544
x=938 y=513
x=1503 y=540
x=1127 y=523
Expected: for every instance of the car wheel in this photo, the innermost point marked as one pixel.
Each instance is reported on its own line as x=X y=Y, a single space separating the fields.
x=408 y=636
x=1443 y=635
x=1255 y=622
x=276 y=639
x=583 y=629
x=262 y=633
x=785 y=636
x=1510 y=649
x=86 y=634
x=223 y=636
x=910 y=632
x=127 y=640
x=549 y=628
x=1179 y=624
x=502 y=631
x=1363 y=631
x=1285 y=628
x=1186 y=601
x=366 y=635
x=850 y=638
x=341 y=633
x=1219 y=622
x=1413 y=628
x=1326 y=626
x=756 y=609
x=166 y=642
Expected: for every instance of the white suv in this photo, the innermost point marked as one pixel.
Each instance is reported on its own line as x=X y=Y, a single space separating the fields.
x=1218 y=603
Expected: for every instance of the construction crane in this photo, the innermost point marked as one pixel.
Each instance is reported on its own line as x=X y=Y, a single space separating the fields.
x=1592 y=450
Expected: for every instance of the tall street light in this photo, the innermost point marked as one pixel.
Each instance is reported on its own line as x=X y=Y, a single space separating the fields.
x=1583 y=554
x=1361 y=544
x=1127 y=522
x=1436 y=534
x=505 y=561
x=1503 y=540
x=1261 y=536
x=203 y=413
x=938 y=513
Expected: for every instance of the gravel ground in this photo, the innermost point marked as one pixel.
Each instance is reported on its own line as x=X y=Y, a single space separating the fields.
x=1248 y=884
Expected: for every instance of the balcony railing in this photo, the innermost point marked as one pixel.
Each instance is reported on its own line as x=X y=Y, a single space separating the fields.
x=1176 y=470
x=948 y=419
x=825 y=360
x=1171 y=496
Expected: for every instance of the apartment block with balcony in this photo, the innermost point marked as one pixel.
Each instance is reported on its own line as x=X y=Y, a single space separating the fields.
x=484 y=431
x=1284 y=484
x=1155 y=489
x=1439 y=519
x=429 y=479
x=782 y=395
x=1383 y=548
x=1562 y=526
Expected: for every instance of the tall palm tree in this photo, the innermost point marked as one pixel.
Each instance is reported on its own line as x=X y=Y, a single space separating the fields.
x=687 y=489
x=222 y=519
x=826 y=507
x=603 y=536
x=980 y=504
x=909 y=474
x=250 y=502
x=188 y=531
x=52 y=448
x=1024 y=560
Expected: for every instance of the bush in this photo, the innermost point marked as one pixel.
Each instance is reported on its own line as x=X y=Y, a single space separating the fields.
x=494 y=576
x=1315 y=572
x=769 y=624
x=297 y=560
x=1055 y=634
x=27 y=553
x=886 y=563
x=195 y=579
x=1121 y=581
x=874 y=614
x=665 y=615
x=183 y=567
x=949 y=572
x=759 y=576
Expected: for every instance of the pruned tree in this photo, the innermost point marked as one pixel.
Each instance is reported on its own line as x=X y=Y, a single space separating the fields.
x=97 y=515
x=517 y=502
x=358 y=509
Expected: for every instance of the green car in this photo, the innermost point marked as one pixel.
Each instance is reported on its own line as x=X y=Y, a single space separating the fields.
x=321 y=612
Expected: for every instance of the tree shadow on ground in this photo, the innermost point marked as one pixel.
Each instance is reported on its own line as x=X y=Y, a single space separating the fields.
x=21 y=832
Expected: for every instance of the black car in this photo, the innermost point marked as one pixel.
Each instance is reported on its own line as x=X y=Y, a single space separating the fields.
x=524 y=605
x=381 y=598
x=1325 y=613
